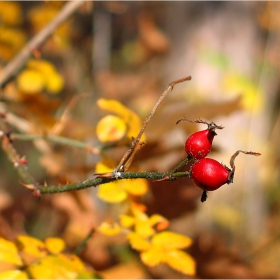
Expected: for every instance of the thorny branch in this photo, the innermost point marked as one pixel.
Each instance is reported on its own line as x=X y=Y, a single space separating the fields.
x=99 y=179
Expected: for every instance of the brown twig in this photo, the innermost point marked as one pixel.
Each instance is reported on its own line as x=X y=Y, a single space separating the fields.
x=210 y=125
x=136 y=144
x=11 y=70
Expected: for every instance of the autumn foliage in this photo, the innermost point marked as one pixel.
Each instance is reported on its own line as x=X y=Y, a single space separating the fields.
x=97 y=182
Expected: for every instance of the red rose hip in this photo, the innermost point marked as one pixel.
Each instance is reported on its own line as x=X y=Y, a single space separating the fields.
x=209 y=174
x=199 y=144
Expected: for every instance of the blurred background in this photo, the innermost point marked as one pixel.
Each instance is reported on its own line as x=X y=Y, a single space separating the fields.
x=131 y=51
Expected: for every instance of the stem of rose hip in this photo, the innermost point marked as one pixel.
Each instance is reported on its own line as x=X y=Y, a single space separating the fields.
x=211 y=125
x=232 y=163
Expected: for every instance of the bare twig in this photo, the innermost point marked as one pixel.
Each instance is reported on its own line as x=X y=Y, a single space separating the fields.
x=232 y=160
x=11 y=70
x=127 y=158
x=211 y=125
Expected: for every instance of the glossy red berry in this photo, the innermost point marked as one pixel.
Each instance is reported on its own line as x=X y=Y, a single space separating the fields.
x=199 y=144
x=209 y=174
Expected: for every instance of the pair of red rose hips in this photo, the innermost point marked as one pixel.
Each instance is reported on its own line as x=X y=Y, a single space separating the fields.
x=207 y=173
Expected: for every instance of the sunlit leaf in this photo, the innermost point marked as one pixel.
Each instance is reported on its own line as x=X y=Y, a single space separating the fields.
x=11 y=41
x=155 y=219
x=112 y=192
x=30 y=81
x=43 y=66
x=153 y=256
x=130 y=118
x=53 y=267
x=127 y=221
x=31 y=245
x=136 y=187
x=111 y=128
x=9 y=252
x=137 y=242
x=144 y=228
x=10 y=13
x=180 y=261
x=54 y=245
x=13 y=274
x=39 y=75
x=171 y=240
x=53 y=80
x=54 y=83
x=110 y=228
x=59 y=267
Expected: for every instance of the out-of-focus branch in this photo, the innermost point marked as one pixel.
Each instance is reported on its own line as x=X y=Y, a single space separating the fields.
x=11 y=70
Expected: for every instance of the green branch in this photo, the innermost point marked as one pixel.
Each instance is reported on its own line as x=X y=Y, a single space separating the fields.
x=56 y=139
x=111 y=177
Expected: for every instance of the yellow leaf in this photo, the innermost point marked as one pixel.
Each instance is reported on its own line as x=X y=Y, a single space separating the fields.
x=180 y=261
x=10 y=13
x=30 y=81
x=110 y=228
x=32 y=246
x=58 y=267
x=53 y=267
x=144 y=228
x=127 y=221
x=132 y=121
x=136 y=187
x=54 y=83
x=43 y=66
x=104 y=166
x=13 y=274
x=11 y=41
x=110 y=129
x=171 y=240
x=137 y=242
x=153 y=256
x=9 y=252
x=54 y=245
x=112 y=192
x=155 y=219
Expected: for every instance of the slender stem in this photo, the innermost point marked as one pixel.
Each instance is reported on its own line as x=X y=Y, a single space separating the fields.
x=83 y=244
x=19 y=61
x=180 y=165
x=127 y=158
x=56 y=139
x=19 y=165
x=103 y=180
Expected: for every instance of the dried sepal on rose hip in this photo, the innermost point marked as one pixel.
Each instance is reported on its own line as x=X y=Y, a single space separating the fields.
x=209 y=174
x=199 y=144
